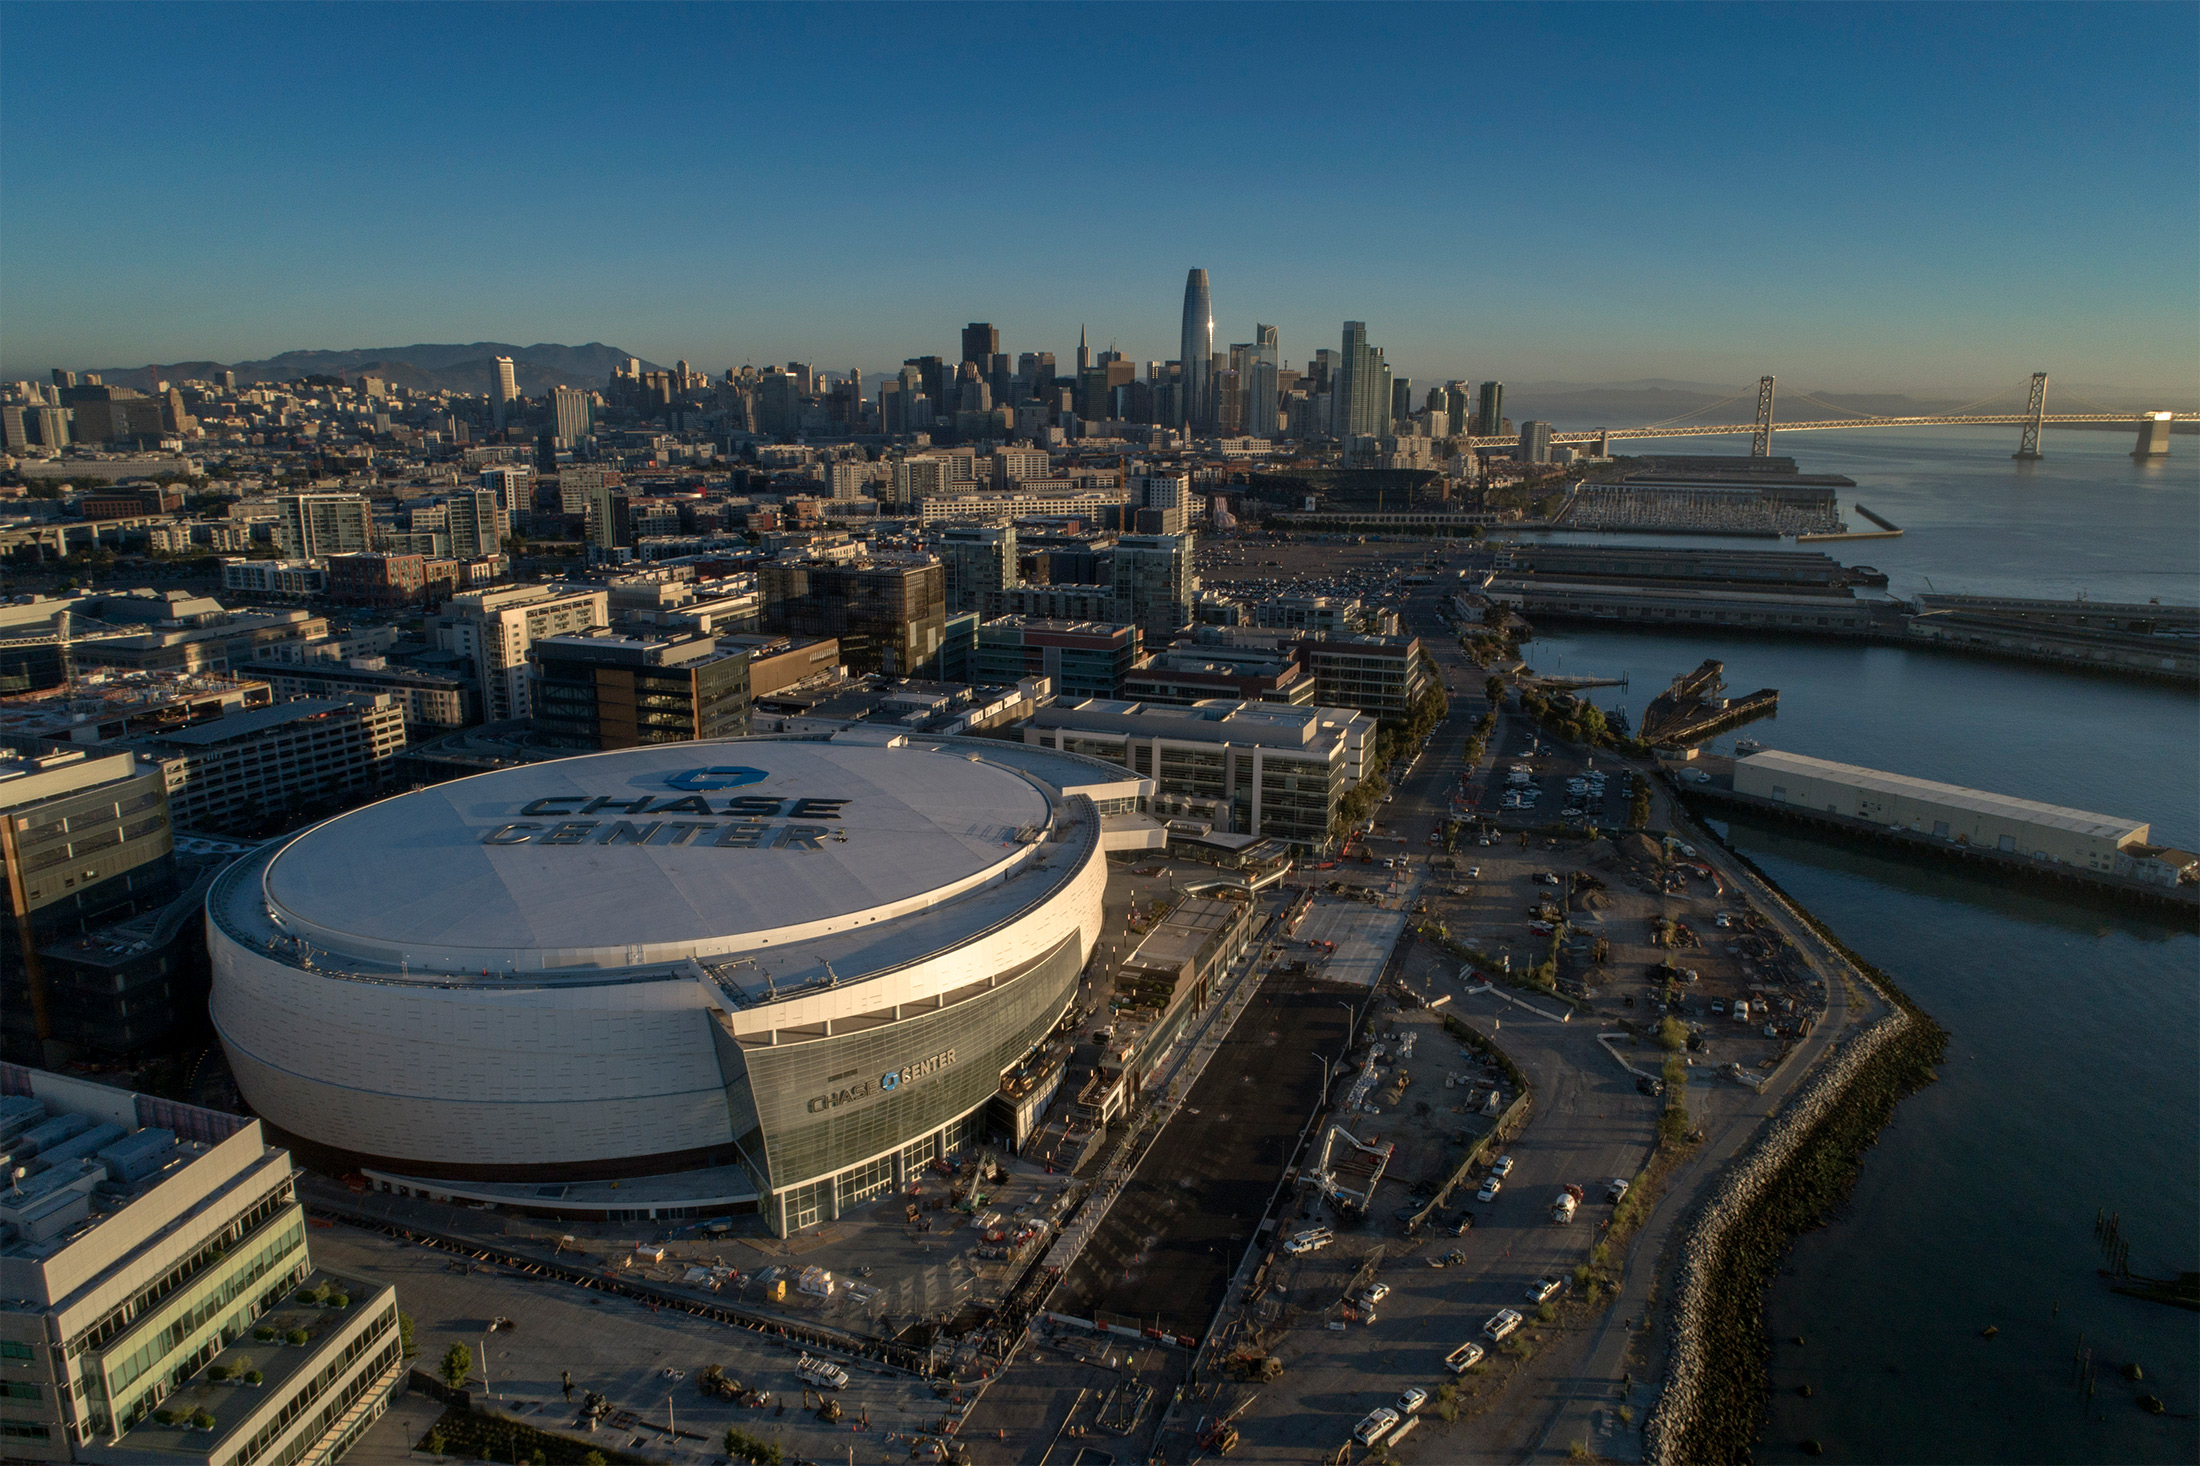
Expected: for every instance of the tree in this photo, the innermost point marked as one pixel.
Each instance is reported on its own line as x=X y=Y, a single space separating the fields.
x=405 y=1334
x=1671 y=1035
x=458 y=1362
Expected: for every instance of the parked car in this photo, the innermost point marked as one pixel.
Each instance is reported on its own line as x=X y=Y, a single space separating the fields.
x=1616 y=1190
x=1412 y=1400
x=1373 y=1294
x=1490 y=1187
x=1463 y=1358
x=1545 y=1288
x=1502 y=1167
x=1501 y=1323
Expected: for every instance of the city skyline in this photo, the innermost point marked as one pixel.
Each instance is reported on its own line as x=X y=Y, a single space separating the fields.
x=1943 y=205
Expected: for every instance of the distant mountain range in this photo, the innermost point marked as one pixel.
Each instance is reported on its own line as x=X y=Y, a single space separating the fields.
x=425 y=367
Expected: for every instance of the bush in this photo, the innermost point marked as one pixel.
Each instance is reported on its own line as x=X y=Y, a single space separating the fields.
x=405 y=1334
x=742 y=1446
x=458 y=1362
x=254 y=1377
x=433 y=1445
x=218 y=1372
x=264 y=1334
x=594 y=1458
x=165 y=1417
x=297 y=1337
x=203 y=1419
x=1673 y=1124
x=339 y=1300
x=1671 y=1035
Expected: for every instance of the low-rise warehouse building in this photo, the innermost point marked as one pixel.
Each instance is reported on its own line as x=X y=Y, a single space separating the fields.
x=1973 y=817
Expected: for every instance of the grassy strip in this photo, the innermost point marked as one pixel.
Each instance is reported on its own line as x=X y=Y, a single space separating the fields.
x=473 y=1436
x=1817 y=1177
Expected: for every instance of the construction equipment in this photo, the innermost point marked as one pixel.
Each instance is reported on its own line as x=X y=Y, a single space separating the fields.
x=719 y=1385
x=827 y=1408
x=1259 y=1368
x=1221 y=1437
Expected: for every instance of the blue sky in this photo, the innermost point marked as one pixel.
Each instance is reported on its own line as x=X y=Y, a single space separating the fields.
x=1854 y=197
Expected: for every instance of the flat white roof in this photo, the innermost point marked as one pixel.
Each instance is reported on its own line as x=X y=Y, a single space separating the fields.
x=897 y=829
x=1979 y=801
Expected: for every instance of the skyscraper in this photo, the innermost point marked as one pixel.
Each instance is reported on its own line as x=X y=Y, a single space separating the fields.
x=1489 y=413
x=1362 y=386
x=1196 y=351
x=1084 y=352
x=1259 y=383
x=980 y=341
x=507 y=389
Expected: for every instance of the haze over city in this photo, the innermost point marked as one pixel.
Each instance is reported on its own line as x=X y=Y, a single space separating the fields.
x=1927 y=199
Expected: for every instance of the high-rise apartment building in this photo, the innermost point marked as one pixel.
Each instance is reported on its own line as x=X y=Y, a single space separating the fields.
x=1362 y=392
x=506 y=393
x=163 y=1304
x=977 y=558
x=1535 y=442
x=1489 y=412
x=1258 y=384
x=1196 y=349
x=313 y=526
x=497 y=627
x=474 y=520
x=1155 y=586
x=573 y=413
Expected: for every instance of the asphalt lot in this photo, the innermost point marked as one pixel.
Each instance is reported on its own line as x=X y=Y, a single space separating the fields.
x=1166 y=1250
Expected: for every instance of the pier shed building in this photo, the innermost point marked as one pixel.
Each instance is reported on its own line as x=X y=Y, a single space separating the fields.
x=1973 y=817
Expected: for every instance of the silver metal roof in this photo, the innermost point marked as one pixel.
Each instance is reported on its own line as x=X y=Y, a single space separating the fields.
x=1977 y=801
x=411 y=879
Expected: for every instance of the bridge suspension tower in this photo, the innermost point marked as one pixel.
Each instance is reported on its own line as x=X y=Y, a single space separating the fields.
x=1760 y=445
x=2029 y=446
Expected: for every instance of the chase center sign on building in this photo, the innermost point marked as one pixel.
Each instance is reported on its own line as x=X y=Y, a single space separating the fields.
x=812 y=959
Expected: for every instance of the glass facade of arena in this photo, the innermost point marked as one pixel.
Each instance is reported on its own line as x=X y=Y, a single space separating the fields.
x=834 y=1121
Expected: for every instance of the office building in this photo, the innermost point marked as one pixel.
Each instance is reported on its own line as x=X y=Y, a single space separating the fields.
x=778 y=975
x=1382 y=676
x=86 y=841
x=315 y=526
x=977 y=558
x=102 y=414
x=52 y=426
x=278 y=580
x=1252 y=768
x=1154 y=582
x=495 y=628
x=1535 y=442
x=981 y=342
x=236 y=770
x=475 y=522
x=888 y=615
x=598 y=689
x=1489 y=412
x=1083 y=658
x=162 y=1300
x=504 y=395
x=1196 y=348
x=432 y=702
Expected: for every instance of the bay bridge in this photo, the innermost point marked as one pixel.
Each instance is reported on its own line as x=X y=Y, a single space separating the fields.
x=2153 y=428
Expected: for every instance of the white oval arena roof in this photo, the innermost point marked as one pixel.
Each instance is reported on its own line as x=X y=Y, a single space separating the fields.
x=739 y=846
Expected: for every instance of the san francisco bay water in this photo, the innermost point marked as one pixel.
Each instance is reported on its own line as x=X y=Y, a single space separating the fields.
x=2072 y=1080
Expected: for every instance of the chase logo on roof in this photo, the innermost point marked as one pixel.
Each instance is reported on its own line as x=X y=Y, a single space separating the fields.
x=697 y=780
